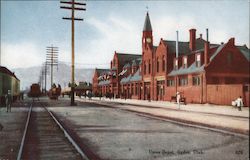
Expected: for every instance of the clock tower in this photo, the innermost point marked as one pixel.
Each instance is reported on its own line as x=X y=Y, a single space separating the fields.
x=147 y=37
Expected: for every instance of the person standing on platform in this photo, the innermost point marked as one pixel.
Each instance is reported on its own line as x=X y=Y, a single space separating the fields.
x=239 y=103
x=8 y=101
x=178 y=98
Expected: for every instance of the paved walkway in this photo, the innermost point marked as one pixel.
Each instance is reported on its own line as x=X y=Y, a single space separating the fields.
x=221 y=117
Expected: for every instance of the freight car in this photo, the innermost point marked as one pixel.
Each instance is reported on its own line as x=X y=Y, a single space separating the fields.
x=35 y=91
x=8 y=81
x=54 y=92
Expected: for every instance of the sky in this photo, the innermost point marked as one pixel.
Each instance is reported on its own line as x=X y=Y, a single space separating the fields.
x=28 y=27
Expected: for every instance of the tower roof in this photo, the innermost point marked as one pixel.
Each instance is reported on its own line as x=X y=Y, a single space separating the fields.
x=147 y=24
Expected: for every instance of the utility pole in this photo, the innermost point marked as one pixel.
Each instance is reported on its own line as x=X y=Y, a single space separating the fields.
x=45 y=77
x=73 y=6
x=44 y=68
x=52 y=60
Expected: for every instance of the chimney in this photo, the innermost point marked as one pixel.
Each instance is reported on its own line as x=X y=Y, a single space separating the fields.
x=200 y=36
x=206 y=53
x=176 y=46
x=206 y=50
x=192 y=39
x=232 y=41
x=207 y=34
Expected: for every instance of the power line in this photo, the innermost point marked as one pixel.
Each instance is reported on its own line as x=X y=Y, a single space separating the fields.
x=52 y=59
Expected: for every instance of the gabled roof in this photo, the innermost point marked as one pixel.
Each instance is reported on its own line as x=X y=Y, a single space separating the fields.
x=191 y=69
x=245 y=51
x=7 y=71
x=125 y=79
x=136 y=62
x=217 y=51
x=183 y=47
x=102 y=83
x=147 y=24
x=211 y=47
x=136 y=76
x=126 y=65
x=125 y=58
x=100 y=71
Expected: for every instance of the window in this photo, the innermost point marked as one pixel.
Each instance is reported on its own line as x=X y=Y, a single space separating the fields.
x=229 y=58
x=246 y=88
x=175 y=64
x=184 y=62
x=157 y=65
x=149 y=68
x=163 y=63
x=183 y=81
x=145 y=67
x=196 y=81
x=132 y=89
x=114 y=62
x=136 y=88
x=198 y=60
x=170 y=82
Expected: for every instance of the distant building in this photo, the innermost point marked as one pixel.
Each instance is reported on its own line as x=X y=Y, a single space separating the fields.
x=201 y=71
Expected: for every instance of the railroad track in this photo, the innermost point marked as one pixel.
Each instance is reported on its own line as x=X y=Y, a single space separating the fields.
x=45 y=138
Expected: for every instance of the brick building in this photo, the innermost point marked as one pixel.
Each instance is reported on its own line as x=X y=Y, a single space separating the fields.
x=201 y=71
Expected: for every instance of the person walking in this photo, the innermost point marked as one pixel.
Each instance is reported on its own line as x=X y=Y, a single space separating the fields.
x=239 y=103
x=8 y=101
x=178 y=98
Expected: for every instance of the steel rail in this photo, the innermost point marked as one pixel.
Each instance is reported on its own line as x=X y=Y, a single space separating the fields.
x=24 y=134
x=67 y=135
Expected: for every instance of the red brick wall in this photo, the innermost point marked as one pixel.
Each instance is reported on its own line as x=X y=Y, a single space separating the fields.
x=224 y=94
x=169 y=92
x=238 y=65
x=191 y=93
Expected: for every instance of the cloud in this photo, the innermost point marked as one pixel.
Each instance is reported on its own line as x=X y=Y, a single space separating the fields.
x=19 y=55
x=114 y=35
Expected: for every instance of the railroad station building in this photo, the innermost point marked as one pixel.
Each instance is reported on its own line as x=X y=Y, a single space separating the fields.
x=201 y=71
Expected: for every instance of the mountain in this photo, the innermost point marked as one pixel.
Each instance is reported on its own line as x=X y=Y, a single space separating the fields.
x=61 y=75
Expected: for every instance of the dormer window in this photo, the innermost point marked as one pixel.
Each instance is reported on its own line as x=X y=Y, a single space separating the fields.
x=184 y=62
x=175 y=64
x=198 y=60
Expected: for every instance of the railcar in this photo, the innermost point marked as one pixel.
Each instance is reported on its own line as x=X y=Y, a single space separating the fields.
x=8 y=81
x=35 y=91
x=54 y=92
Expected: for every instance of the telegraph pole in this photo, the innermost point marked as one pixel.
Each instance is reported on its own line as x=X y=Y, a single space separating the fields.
x=52 y=59
x=45 y=77
x=73 y=6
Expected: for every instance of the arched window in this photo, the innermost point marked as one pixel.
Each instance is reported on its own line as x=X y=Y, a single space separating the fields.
x=157 y=65
x=149 y=67
x=163 y=63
